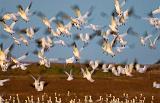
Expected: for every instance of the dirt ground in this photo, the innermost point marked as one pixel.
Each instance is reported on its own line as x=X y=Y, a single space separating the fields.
x=139 y=83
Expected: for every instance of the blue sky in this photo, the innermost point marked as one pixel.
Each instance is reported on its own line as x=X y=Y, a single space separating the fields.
x=51 y=7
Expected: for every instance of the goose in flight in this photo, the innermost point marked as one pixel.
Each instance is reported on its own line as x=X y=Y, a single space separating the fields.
x=38 y=85
x=24 y=14
x=42 y=59
x=121 y=70
x=70 y=60
x=156 y=11
x=153 y=21
x=114 y=71
x=76 y=52
x=3 y=81
x=123 y=18
x=70 y=76
x=18 y=64
x=85 y=38
x=16 y=41
x=23 y=39
x=30 y=31
x=143 y=39
x=8 y=28
x=62 y=28
x=10 y=16
x=82 y=19
x=87 y=74
x=45 y=42
x=60 y=42
x=152 y=44
x=107 y=47
x=47 y=22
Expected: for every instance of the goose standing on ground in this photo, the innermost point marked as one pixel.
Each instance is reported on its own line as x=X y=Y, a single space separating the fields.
x=45 y=43
x=76 y=52
x=114 y=71
x=3 y=81
x=143 y=39
x=141 y=69
x=94 y=65
x=62 y=28
x=156 y=85
x=43 y=60
x=70 y=76
x=85 y=38
x=30 y=31
x=129 y=69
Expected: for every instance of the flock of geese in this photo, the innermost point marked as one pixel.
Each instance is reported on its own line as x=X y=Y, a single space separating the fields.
x=112 y=41
x=73 y=98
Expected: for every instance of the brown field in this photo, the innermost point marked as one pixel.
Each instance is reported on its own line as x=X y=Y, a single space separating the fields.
x=105 y=83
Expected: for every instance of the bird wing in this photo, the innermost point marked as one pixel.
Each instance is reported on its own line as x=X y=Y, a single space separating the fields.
x=52 y=18
x=88 y=13
x=12 y=25
x=9 y=49
x=4 y=80
x=117 y=6
x=23 y=57
x=33 y=77
x=77 y=11
x=66 y=73
x=157 y=38
x=28 y=8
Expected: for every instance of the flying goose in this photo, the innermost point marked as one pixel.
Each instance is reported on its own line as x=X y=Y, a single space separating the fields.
x=10 y=16
x=47 y=22
x=18 y=64
x=152 y=44
x=79 y=17
x=107 y=47
x=8 y=28
x=30 y=31
x=24 y=14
